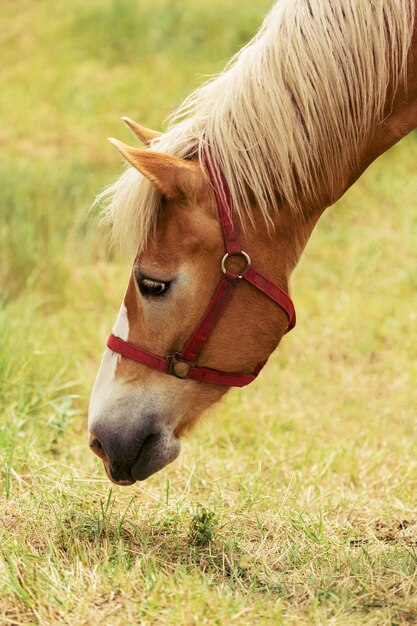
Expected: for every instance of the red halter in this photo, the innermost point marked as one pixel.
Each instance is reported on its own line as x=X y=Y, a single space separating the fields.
x=184 y=364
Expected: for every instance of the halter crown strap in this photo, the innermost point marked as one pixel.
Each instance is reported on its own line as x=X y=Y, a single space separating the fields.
x=184 y=364
x=224 y=208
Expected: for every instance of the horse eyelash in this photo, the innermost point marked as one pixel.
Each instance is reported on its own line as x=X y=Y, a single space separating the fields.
x=149 y=286
x=148 y=282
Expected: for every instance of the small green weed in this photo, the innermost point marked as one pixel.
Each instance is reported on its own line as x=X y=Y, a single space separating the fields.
x=203 y=527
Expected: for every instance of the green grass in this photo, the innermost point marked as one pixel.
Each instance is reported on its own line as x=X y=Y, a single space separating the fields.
x=294 y=502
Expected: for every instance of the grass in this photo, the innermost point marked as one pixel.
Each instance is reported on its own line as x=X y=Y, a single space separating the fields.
x=294 y=501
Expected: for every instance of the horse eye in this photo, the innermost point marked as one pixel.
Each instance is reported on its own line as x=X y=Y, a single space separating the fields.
x=151 y=287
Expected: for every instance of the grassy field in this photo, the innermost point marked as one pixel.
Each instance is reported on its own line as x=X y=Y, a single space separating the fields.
x=294 y=502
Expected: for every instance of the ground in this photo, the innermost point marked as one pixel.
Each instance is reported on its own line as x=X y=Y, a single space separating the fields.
x=294 y=501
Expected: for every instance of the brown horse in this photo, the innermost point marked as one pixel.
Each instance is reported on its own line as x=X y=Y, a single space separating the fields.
x=321 y=91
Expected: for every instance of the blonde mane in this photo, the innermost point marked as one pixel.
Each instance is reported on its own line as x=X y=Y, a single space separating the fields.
x=290 y=108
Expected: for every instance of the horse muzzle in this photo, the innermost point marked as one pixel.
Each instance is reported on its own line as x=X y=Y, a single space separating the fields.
x=134 y=457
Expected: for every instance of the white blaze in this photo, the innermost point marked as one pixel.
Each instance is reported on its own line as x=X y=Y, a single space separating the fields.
x=105 y=387
x=121 y=325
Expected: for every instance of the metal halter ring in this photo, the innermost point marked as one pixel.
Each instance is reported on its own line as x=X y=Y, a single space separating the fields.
x=241 y=253
x=175 y=360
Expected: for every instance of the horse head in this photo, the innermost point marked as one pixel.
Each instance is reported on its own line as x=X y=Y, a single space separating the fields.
x=138 y=412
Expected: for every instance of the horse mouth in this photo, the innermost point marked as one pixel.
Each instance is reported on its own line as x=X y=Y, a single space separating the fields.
x=125 y=482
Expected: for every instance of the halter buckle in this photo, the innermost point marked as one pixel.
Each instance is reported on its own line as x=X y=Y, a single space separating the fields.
x=245 y=255
x=178 y=366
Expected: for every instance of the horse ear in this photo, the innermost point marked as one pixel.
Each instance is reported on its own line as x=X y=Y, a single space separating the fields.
x=145 y=135
x=170 y=174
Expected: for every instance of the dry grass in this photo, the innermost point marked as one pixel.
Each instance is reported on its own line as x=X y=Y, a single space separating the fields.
x=294 y=502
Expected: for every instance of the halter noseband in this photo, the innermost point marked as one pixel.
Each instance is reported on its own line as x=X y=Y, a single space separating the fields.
x=184 y=364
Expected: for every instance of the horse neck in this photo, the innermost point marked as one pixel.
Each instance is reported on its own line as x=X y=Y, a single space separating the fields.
x=281 y=248
x=399 y=120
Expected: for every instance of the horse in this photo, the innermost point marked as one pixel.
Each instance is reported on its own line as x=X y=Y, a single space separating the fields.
x=217 y=210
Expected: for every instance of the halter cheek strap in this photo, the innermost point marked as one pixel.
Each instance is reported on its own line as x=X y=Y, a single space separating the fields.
x=183 y=364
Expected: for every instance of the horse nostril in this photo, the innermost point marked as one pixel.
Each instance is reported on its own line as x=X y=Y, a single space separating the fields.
x=147 y=446
x=96 y=447
x=150 y=439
